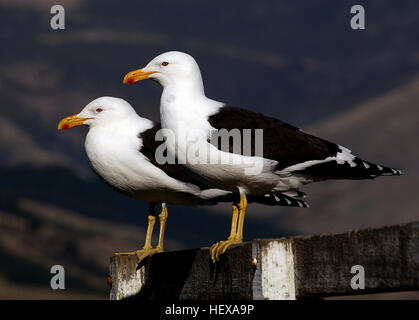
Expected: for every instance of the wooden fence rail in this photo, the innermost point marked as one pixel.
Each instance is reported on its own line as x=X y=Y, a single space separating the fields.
x=285 y=268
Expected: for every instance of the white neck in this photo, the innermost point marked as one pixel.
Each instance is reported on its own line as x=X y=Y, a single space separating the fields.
x=184 y=113
x=185 y=105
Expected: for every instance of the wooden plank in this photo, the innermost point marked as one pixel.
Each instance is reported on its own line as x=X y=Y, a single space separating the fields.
x=389 y=256
x=286 y=268
x=188 y=274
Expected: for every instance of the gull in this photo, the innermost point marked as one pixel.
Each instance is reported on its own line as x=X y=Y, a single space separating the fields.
x=122 y=150
x=291 y=158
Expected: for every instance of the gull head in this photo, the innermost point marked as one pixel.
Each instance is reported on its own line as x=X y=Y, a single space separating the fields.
x=103 y=111
x=171 y=68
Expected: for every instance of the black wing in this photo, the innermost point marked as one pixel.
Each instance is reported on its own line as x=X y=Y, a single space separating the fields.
x=289 y=146
x=278 y=199
x=177 y=172
x=281 y=141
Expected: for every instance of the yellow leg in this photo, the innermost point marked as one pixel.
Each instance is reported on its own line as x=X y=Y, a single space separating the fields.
x=162 y=217
x=242 y=212
x=147 y=248
x=215 y=246
x=149 y=234
x=233 y=230
x=236 y=233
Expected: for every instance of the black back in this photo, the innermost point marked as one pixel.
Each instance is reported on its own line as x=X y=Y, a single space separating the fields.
x=281 y=141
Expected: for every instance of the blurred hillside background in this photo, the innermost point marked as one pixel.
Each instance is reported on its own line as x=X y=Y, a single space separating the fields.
x=296 y=60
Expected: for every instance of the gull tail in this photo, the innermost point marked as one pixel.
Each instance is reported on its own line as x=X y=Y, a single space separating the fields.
x=277 y=199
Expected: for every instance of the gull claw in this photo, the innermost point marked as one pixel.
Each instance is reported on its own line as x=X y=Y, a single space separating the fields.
x=144 y=253
x=141 y=254
x=221 y=247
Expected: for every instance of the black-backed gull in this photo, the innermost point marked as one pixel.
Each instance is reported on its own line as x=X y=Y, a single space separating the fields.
x=121 y=147
x=291 y=158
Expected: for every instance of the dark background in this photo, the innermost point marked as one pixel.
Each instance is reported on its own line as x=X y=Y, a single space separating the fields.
x=296 y=60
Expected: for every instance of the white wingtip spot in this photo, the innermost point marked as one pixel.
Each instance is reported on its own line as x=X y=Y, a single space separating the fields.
x=379 y=167
x=276 y=198
x=288 y=201
x=345 y=155
x=366 y=165
x=395 y=171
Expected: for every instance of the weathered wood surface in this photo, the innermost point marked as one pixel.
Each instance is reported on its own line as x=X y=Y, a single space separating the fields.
x=286 y=268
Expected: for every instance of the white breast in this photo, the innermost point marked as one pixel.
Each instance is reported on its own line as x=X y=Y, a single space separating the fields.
x=114 y=155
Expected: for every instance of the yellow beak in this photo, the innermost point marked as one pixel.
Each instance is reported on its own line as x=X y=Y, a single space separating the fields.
x=136 y=75
x=70 y=122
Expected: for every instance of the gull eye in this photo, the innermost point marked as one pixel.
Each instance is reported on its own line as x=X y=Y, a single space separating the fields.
x=164 y=63
x=99 y=110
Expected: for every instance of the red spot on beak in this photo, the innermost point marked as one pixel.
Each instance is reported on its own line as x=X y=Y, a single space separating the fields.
x=66 y=127
x=131 y=81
